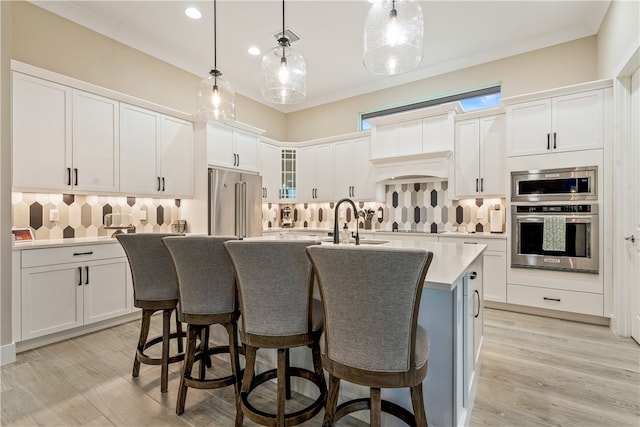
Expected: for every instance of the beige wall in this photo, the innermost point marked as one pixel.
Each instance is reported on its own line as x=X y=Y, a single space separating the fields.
x=619 y=33
x=5 y=175
x=556 y=66
x=48 y=41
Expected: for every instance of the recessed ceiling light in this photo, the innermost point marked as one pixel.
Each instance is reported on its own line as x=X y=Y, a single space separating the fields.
x=253 y=51
x=193 y=13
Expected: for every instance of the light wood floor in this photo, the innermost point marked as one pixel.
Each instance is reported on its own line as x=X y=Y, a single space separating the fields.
x=536 y=372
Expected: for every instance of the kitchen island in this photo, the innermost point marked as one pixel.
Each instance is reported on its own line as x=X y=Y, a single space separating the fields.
x=451 y=312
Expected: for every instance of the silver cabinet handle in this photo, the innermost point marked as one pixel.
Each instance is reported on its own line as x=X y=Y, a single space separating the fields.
x=631 y=238
x=476 y=294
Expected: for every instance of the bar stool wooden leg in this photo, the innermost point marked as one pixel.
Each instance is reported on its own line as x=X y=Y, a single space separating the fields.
x=144 y=333
x=376 y=408
x=287 y=374
x=189 y=358
x=417 y=401
x=179 y=333
x=332 y=401
x=234 y=359
x=166 y=332
x=282 y=386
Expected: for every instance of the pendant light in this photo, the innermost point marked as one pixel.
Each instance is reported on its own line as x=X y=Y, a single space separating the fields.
x=284 y=73
x=216 y=99
x=393 y=33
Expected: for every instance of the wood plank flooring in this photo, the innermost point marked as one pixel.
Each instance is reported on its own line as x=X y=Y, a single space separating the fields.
x=536 y=372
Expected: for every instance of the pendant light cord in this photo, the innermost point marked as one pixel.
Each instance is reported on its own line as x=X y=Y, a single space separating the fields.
x=284 y=39
x=215 y=53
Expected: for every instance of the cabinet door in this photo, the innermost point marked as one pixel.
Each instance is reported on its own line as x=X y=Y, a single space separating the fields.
x=270 y=171
x=105 y=289
x=529 y=127
x=343 y=180
x=245 y=147
x=492 y=159
x=467 y=142
x=139 y=132
x=306 y=174
x=220 y=146
x=95 y=143
x=51 y=299
x=495 y=276
x=384 y=141
x=42 y=131
x=176 y=157
x=578 y=121
x=437 y=134
x=324 y=172
x=409 y=138
x=364 y=181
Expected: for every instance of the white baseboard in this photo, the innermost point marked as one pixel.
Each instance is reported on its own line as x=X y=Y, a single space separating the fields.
x=7 y=354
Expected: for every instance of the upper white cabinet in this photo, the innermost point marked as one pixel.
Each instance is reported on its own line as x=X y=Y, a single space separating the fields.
x=315 y=173
x=63 y=139
x=156 y=153
x=353 y=176
x=270 y=171
x=428 y=130
x=480 y=157
x=231 y=147
x=570 y=122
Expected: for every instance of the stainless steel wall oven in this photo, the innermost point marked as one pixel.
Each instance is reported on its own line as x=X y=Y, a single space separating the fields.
x=555 y=237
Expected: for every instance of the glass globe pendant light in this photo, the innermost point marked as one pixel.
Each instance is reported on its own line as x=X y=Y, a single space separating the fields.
x=216 y=99
x=393 y=33
x=284 y=73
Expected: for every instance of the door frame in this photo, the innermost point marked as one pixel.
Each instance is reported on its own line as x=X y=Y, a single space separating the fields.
x=622 y=315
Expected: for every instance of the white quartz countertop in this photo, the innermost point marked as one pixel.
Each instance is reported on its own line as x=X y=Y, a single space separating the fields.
x=459 y=234
x=450 y=259
x=48 y=243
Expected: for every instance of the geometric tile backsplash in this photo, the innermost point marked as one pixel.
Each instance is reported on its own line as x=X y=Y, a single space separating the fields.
x=423 y=207
x=83 y=215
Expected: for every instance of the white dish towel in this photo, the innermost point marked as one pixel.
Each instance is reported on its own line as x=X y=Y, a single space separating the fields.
x=554 y=232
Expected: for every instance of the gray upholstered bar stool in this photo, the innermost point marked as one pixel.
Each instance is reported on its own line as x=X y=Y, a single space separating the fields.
x=206 y=280
x=371 y=298
x=155 y=288
x=277 y=311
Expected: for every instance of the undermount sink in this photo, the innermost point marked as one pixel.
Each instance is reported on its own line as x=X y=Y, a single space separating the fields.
x=362 y=241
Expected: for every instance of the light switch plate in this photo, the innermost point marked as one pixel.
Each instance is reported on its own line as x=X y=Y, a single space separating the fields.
x=143 y=215
x=54 y=215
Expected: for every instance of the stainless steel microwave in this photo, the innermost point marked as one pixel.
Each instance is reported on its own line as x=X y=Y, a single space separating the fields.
x=555 y=185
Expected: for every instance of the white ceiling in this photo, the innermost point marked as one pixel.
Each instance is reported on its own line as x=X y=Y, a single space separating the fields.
x=458 y=34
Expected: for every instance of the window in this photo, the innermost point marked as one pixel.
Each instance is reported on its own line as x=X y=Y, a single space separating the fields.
x=473 y=100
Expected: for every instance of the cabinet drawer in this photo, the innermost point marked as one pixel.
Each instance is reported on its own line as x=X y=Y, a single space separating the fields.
x=554 y=299
x=498 y=245
x=64 y=254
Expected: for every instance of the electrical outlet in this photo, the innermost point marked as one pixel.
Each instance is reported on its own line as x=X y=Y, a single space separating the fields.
x=143 y=215
x=54 y=215
x=479 y=215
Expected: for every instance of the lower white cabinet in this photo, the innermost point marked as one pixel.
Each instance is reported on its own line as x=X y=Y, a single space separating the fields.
x=71 y=286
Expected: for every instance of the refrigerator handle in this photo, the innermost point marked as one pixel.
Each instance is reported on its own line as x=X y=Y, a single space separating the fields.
x=238 y=230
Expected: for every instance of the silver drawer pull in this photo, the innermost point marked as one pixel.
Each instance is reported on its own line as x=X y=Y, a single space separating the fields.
x=553 y=260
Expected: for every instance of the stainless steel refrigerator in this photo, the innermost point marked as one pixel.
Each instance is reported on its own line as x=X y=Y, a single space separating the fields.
x=235 y=203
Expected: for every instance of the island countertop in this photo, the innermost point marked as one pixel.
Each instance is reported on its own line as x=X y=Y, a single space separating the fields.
x=450 y=260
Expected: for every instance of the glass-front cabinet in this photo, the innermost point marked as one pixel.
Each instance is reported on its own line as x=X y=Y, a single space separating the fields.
x=288 y=174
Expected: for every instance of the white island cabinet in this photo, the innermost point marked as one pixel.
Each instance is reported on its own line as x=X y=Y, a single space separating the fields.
x=451 y=312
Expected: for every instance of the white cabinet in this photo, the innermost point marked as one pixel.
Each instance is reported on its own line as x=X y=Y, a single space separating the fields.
x=423 y=131
x=473 y=312
x=232 y=148
x=270 y=171
x=63 y=139
x=479 y=157
x=315 y=173
x=353 y=176
x=67 y=287
x=570 y=122
x=156 y=153
x=494 y=264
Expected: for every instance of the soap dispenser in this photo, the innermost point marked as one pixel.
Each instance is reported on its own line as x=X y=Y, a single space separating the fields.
x=345 y=234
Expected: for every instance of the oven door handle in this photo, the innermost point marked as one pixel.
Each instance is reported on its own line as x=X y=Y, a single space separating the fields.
x=532 y=218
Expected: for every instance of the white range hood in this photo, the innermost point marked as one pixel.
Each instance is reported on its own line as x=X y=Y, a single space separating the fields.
x=415 y=168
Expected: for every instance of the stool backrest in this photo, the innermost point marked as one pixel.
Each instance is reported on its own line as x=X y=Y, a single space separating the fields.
x=206 y=278
x=274 y=286
x=152 y=270
x=371 y=298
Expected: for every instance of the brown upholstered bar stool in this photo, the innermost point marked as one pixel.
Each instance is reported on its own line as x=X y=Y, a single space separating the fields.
x=206 y=280
x=155 y=288
x=278 y=311
x=371 y=298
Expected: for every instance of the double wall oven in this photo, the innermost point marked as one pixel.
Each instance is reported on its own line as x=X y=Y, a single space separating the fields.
x=554 y=219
